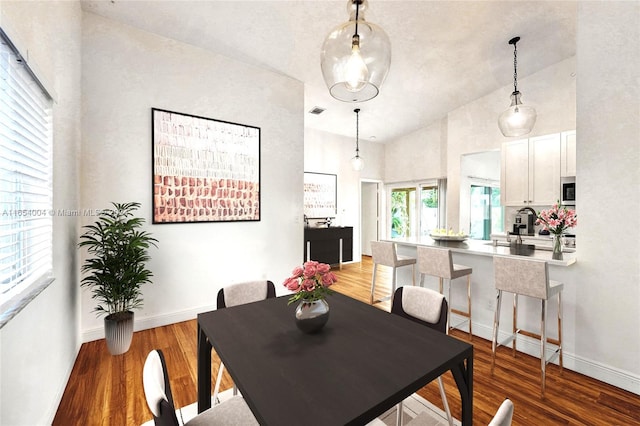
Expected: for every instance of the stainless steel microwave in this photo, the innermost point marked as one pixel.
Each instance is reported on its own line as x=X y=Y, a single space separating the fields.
x=569 y=192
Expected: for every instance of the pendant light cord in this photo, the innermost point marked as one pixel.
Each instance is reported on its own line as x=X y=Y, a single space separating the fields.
x=515 y=67
x=357 y=111
x=357 y=2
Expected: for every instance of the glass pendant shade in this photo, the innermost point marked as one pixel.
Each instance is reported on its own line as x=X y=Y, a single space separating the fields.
x=355 y=57
x=357 y=163
x=518 y=119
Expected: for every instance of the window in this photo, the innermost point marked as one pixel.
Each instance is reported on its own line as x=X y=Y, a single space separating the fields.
x=25 y=176
x=486 y=212
x=417 y=209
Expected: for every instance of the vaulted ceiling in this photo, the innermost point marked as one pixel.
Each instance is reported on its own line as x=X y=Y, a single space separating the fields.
x=444 y=53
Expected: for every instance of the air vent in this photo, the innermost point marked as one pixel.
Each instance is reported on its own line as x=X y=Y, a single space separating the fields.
x=316 y=111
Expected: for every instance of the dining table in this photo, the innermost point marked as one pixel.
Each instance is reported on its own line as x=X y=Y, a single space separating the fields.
x=362 y=363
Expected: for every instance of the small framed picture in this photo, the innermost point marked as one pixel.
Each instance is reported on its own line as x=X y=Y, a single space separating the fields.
x=320 y=196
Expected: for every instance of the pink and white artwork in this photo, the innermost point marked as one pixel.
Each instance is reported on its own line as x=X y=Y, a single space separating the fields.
x=204 y=170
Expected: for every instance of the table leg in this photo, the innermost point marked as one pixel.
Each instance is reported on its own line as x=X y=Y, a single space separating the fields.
x=463 y=376
x=204 y=371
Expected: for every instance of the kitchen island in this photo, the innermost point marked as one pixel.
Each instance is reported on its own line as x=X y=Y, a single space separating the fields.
x=488 y=248
x=478 y=255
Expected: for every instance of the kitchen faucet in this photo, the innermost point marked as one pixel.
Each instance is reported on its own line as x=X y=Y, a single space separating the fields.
x=528 y=209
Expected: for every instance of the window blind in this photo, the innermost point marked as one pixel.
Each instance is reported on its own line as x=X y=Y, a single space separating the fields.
x=26 y=196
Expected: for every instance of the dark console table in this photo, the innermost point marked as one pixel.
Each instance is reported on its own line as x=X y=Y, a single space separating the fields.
x=332 y=245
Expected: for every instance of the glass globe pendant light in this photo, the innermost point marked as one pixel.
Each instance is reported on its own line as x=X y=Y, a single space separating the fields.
x=357 y=163
x=355 y=57
x=518 y=119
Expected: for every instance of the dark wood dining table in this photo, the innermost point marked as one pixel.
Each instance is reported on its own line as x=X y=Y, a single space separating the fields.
x=362 y=363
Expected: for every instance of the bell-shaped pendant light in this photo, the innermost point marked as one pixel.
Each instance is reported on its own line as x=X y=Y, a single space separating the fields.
x=357 y=163
x=355 y=57
x=518 y=119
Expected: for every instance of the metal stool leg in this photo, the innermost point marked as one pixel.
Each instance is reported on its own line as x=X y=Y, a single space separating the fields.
x=560 y=328
x=469 y=306
x=496 y=327
x=515 y=324
x=399 y=413
x=543 y=343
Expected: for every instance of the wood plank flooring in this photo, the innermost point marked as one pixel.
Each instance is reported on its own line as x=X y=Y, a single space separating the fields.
x=107 y=390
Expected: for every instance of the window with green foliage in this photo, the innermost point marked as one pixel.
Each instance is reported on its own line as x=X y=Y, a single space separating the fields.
x=415 y=210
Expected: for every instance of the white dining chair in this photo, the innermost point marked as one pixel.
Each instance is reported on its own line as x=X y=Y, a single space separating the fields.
x=429 y=308
x=240 y=294
x=157 y=391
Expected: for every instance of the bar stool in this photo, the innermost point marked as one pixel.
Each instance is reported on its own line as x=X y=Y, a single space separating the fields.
x=384 y=253
x=438 y=262
x=527 y=277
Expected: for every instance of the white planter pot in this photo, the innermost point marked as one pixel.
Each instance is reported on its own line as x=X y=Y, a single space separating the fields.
x=118 y=331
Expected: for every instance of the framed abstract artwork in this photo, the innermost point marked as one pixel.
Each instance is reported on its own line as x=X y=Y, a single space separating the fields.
x=204 y=170
x=320 y=196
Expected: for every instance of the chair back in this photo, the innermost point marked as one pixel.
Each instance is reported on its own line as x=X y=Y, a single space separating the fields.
x=421 y=305
x=434 y=261
x=384 y=253
x=157 y=390
x=529 y=277
x=247 y=292
x=504 y=415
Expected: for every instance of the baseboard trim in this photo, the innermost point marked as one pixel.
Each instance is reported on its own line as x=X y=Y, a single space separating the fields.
x=145 y=323
x=615 y=377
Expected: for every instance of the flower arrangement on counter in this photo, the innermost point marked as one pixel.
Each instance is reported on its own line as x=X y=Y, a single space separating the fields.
x=557 y=219
x=310 y=282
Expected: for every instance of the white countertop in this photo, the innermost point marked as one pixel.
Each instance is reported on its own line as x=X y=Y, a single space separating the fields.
x=484 y=248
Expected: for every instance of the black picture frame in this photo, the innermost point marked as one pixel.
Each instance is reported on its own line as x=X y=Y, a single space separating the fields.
x=320 y=195
x=203 y=169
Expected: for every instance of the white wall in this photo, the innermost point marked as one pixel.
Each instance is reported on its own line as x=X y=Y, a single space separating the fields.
x=608 y=186
x=417 y=156
x=126 y=72
x=39 y=345
x=328 y=153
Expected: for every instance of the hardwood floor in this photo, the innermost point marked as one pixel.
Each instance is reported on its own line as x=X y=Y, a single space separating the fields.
x=107 y=390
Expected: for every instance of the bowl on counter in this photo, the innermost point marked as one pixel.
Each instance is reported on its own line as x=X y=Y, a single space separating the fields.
x=443 y=237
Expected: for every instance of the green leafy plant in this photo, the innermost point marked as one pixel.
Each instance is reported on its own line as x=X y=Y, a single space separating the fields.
x=116 y=266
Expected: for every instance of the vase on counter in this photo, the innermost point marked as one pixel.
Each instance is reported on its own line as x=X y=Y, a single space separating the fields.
x=558 y=244
x=312 y=316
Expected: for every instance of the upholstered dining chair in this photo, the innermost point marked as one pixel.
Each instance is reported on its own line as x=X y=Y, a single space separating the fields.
x=240 y=294
x=157 y=390
x=503 y=417
x=426 y=307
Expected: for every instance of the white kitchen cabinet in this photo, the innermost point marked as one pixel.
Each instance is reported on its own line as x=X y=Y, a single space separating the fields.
x=530 y=171
x=568 y=154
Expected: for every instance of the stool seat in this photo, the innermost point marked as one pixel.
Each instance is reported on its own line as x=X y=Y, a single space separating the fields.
x=460 y=271
x=438 y=262
x=384 y=253
x=527 y=277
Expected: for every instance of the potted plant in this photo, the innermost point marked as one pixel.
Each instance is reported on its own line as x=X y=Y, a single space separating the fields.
x=115 y=269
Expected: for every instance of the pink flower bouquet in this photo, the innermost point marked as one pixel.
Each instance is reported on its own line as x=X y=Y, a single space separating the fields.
x=310 y=282
x=557 y=219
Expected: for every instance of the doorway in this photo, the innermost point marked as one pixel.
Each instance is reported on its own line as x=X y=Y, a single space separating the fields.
x=369 y=215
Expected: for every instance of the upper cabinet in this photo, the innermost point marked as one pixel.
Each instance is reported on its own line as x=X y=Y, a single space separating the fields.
x=568 y=154
x=530 y=171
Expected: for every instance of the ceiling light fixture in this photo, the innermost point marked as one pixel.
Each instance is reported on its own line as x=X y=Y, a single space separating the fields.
x=355 y=57
x=357 y=163
x=518 y=119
